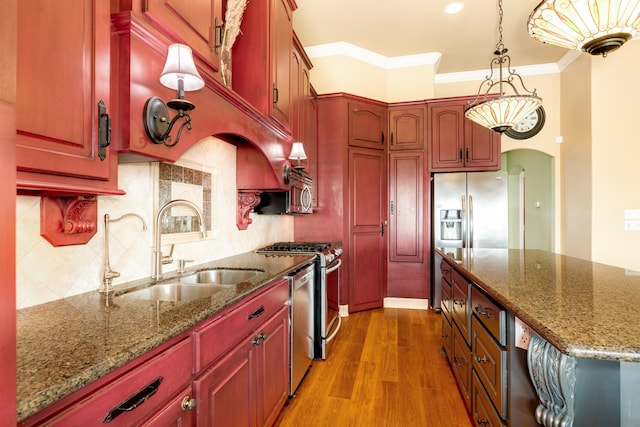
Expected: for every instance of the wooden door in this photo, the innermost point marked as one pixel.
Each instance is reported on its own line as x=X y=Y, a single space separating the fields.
x=482 y=147
x=224 y=392
x=63 y=72
x=195 y=23
x=367 y=249
x=173 y=413
x=446 y=121
x=272 y=366
x=367 y=125
x=282 y=41
x=406 y=128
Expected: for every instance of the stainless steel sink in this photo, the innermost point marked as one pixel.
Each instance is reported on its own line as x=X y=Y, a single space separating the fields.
x=176 y=291
x=223 y=276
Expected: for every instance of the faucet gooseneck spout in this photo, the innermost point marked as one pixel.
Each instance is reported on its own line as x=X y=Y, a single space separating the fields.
x=157 y=249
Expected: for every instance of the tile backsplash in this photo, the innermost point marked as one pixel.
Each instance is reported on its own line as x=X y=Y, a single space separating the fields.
x=45 y=273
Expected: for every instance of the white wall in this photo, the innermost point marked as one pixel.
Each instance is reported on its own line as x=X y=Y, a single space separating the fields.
x=45 y=273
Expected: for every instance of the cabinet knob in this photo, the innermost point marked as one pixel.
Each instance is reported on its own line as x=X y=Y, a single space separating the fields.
x=188 y=403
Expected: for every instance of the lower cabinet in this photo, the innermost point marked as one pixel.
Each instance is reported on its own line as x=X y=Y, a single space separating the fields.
x=178 y=412
x=248 y=386
x=490 y=370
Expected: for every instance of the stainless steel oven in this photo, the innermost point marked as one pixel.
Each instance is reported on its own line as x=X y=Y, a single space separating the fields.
x=328 y=276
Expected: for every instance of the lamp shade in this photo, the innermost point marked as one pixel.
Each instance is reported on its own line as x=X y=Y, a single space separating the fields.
x=593 y=26
x=504 y=112
x=297 y=152
x=180 y=66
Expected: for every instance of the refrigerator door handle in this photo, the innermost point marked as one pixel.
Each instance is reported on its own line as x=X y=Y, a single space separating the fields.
x=464 y=222
x=470 y=221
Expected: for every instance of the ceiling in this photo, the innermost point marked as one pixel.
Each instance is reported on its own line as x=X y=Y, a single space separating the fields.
x=407 y=27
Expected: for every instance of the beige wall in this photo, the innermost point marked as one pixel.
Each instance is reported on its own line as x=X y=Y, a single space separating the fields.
x=615 y=116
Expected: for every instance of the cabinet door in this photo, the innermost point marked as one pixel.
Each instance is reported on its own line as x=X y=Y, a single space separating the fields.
x=461 y=365
x=406 y=128
x=367 y=125
x=282 y=39
x=272 y=367
x=63 y=72
x=194 y=23
x=224 y=392
x=367 y=250
x=173 y=413
x=482 y=147
x=446 y=122
x=406 y=213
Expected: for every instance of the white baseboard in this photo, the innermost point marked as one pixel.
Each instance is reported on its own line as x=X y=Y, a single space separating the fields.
x=343 y=310
x=412 y=303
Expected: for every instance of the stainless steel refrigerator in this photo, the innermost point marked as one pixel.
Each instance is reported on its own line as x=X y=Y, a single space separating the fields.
x=470 y=210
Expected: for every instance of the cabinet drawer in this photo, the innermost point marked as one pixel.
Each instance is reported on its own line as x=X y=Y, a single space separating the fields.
x=173 y=366
x=490 y=314
x=217 y=337
x=461 y=304
x=447 y=339
x=461 y=363
x=447 y=299
x=483 y=413
x=445 y=269
x=490 y=362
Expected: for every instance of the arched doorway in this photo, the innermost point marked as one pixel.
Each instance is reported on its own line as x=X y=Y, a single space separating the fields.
x=531 y=199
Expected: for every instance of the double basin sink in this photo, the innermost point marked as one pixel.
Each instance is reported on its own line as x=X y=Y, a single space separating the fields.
x=197 y=285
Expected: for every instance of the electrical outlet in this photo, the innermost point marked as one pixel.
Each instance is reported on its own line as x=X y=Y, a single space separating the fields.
x=523 y=334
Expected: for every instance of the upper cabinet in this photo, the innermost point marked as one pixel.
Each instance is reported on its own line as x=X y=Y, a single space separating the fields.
x=457 y=143
x=197 y=24
x=261 y=59
x=406 y=127
x=63 y=101
x=367 y=124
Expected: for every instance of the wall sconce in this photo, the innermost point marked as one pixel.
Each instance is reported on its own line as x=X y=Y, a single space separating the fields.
x=179 y=73
x=297 y=152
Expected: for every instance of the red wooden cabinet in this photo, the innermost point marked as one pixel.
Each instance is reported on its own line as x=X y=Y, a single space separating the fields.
x=197 y=24
x=63 y=97
x=406 y=128
x=248 y=386
x=367 y=125
x=176 y=412
x=367 y=249
x=266 y=45
x=457 y=143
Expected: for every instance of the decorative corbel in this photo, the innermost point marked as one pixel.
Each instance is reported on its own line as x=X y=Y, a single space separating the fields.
x=66 y=221
x=247 y=200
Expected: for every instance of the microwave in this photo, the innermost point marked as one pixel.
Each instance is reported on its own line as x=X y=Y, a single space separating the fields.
x=297 y=200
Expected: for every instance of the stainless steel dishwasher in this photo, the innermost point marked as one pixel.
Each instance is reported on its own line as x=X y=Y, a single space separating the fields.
x=301 y=324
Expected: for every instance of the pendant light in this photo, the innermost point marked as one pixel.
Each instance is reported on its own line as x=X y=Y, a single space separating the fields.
x=594 y=26
x=503 y=111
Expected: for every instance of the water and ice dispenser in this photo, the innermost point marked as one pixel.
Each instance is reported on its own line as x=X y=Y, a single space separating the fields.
x=450 y=224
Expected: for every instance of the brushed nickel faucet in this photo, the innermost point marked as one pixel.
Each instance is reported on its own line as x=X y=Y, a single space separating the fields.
x=158 y=258
x=109 y=274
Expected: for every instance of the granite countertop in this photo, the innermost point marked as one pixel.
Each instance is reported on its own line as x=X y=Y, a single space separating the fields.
x=584 y=309
x=66 y=344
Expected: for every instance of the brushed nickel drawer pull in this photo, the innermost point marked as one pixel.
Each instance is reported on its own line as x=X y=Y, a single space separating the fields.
x=486 y=312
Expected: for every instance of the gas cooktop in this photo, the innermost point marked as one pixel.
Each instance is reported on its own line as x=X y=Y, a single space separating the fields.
x=296 y=247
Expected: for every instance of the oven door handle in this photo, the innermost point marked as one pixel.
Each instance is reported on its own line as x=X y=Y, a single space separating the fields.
x=336 y=329
x=335 y=267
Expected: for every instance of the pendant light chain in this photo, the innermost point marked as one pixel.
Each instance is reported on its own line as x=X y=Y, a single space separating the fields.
x=500 y=45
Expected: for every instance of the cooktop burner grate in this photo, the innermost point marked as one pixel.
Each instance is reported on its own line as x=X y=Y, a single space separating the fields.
x=301 y=247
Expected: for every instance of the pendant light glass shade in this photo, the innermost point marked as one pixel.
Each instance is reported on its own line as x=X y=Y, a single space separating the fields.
x=503 y=110
x=502 y=113
x=594 y=26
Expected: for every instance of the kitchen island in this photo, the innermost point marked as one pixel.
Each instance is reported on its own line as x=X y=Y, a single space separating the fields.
x=65 y=345
x=585 y=343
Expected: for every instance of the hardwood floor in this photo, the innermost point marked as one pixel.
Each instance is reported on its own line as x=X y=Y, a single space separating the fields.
x=385 y=369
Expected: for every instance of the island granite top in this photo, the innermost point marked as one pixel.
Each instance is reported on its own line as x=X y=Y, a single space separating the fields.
x=583 y=308
x=67 y=344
